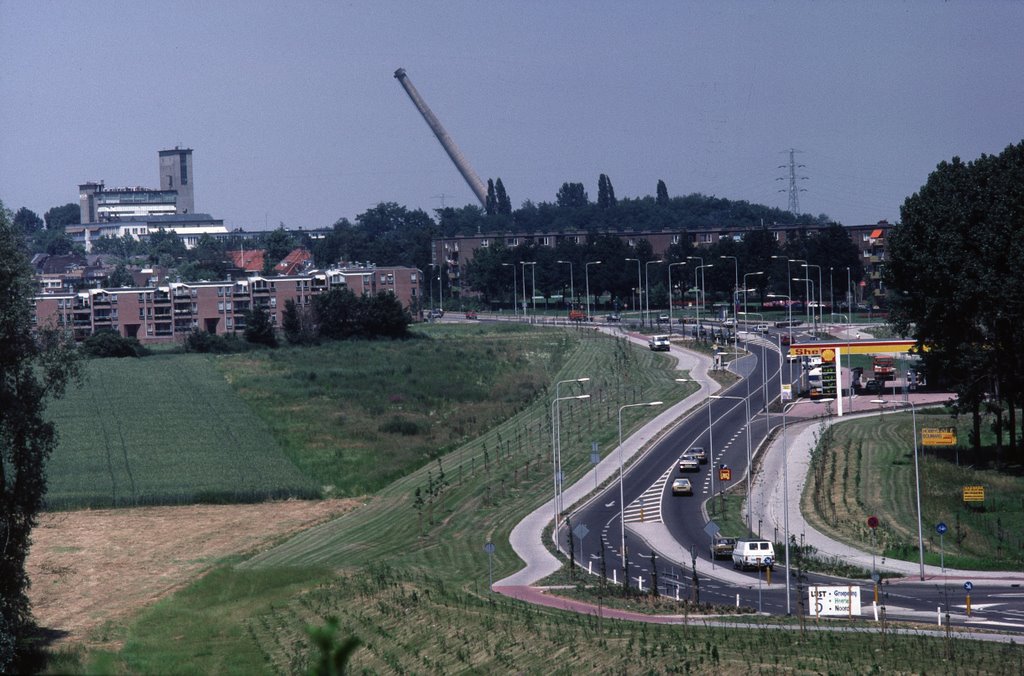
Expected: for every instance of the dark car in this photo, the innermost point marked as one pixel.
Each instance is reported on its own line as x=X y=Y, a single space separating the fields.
x=873 y=387
x=699 y=453
x=613 y=317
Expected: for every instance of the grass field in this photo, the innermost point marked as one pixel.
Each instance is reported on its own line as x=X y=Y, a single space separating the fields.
x=167 y=429
x=868 y=470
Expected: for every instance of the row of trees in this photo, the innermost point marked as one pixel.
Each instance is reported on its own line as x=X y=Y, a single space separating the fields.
x=954 y=273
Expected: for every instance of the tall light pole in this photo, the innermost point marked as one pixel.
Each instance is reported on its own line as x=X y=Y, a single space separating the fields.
x=806 y=281
x=701 y=259
x=586 y=274
x=670 y=292
x=647 y=287
x=515 y=306
x=735 y=291
x=533 y=288
x=622 y=506
x=639 y=288
x=572 y=287
x=432 y=266
x=831 y=297
x=917 y=475
x=556 y=446
x=807 y=302
x=785 y=494
x=789 y=295
x=703 y=289
x=820 y=291
x=750 y=496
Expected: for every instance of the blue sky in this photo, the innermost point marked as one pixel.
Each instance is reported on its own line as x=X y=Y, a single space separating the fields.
x=294 y=115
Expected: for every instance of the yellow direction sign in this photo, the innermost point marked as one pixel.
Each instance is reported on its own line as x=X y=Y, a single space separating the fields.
x=974 y=494
x=938 y=436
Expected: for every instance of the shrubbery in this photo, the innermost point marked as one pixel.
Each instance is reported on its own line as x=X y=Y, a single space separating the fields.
x=201 y=341
x=108 y=343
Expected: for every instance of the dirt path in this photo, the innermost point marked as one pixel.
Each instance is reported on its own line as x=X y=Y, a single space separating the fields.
x=92 y=567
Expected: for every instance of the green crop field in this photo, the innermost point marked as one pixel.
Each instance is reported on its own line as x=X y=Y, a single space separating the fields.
x=167 y=429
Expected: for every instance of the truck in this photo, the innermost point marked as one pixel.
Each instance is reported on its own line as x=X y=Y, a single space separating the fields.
x=883 y=368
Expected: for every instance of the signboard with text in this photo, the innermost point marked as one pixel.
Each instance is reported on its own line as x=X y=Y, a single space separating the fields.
x=938 y=436
x=833 y=601
x=974 y=494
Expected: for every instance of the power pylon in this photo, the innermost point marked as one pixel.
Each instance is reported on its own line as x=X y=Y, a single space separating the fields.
x=794 y=192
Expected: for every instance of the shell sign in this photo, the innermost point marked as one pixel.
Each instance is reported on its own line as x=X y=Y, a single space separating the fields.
x=828 y=354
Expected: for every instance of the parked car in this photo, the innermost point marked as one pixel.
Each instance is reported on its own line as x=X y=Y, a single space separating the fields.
x=613 y=317
x=722 y=546
x=682 y=487
x=688 y=463
x=659 y=343
x=872 y=387
x=699 y=453
x=753 y=554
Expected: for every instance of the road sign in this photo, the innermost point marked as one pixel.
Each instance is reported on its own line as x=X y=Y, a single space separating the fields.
x=842 y=601
x=872 y=522
x=711 y=529
x=725 y=474
x=938 y=436
x=580 y=531
x=941 y=528
x=968 y=586
x=768 y=561
x=974 y=494
x=787 y=392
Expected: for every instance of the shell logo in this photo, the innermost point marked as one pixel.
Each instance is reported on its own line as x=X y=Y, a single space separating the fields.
x=828 y=354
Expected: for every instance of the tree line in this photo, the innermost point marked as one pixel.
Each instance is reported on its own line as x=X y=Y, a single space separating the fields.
x=954 y=273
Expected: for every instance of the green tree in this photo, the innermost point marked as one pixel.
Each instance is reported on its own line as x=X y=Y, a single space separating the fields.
x=259 y=328
x=337 y=313
x=34 y=368
x=277 y=244
x=57 y=217
x=120 y=277
x=662 y=194
x=605 y=193
x=954 y=270
x=503 y=203
x=572 y=195
x=298 y=324
x=27 y=222
x=491 y=202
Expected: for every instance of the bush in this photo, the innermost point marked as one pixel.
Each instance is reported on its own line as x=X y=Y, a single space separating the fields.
x=108 y=343
x=201 y=341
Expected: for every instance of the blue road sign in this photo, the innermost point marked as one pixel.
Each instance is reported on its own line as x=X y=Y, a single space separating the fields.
x=968 y=586
x=768 y=561
x=941 y=528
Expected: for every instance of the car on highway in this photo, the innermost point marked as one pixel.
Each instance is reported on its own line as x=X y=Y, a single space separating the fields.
x=470 y=314
x=659 y=343
x=722 y=546
x=682 y=487
x=663 y=319
x=699 y=453
x=753 y=554
x=688 y=463
x=761 y=328
x=613 y=317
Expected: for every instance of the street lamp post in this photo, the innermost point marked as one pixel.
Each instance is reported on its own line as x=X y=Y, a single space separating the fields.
x=670 y=294
x=533 y=287
x=701 y=259
x=789 y=295
x=917 y=476
x=622 y=506
x=807 y=302
x=745 y=287
x=703 y=289
x=820 y=292
x=556 y=445
x=572 y=287
x=515 y=307
x=647 y=287
x=586 y=274
x=432 y=266
x=806 y=281
x=639 y=288
x=735 y=290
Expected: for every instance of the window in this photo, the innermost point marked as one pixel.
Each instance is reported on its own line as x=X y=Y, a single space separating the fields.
x=484 y=243
x=675 y=239
x=184 y=169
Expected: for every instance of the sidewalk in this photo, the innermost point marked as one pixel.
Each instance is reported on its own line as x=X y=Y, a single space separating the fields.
x=526 y=537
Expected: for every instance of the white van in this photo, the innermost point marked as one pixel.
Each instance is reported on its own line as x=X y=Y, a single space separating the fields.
x=753 y=554
x=659 y=343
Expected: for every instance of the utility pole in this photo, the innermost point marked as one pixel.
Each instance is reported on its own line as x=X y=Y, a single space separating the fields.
x=794 y=197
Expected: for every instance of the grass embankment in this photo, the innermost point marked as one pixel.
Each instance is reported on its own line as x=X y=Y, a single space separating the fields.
x=866 y=468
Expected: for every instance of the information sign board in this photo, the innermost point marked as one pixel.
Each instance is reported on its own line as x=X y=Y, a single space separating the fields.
x=974 y=494
x=938 y=436
x=833 y=601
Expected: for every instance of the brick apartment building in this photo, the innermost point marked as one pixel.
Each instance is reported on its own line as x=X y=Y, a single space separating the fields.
x=169 y=312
